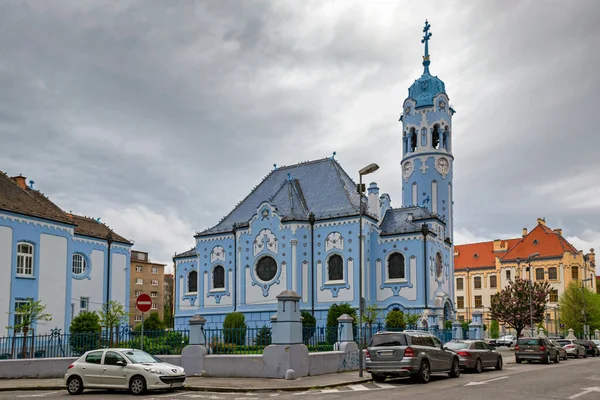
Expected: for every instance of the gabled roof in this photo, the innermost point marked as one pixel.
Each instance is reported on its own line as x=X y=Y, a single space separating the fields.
x=405 y=220
x=90 y=227
x=190 y=253
x=321 y=187
x=541 y=240
x=479 y=255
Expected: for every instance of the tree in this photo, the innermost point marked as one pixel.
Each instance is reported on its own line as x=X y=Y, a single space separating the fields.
x=309 y=323
x=168 y=308
x=395 y=320
x=511 y=305
x=412 y=320
x=29 y=313
x=494 y=329
x=85 y=331
x=111 y=315
x=336 y=311
x=234 y=328
x=263 y=336
x=571 y=308
x=152 y=323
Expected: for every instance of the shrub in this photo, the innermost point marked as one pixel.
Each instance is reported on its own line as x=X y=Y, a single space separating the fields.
x=494 y=329
x=234 y=328
x=309 y=323
x=448 y=324
x=85 y=332
x=219 y=347
x=336 y=311
x=263 y=337
x=465 y=325
x=151 y=324
x=395 y=320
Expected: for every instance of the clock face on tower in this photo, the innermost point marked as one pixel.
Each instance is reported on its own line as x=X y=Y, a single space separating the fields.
x=442 y=166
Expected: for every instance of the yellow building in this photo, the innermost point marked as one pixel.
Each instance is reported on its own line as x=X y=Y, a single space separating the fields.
x=483 y=269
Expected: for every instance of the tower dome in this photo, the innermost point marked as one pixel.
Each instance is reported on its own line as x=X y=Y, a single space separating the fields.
x=424 y=89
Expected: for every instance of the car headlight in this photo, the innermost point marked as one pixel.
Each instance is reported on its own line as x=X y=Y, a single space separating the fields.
x=154 y=371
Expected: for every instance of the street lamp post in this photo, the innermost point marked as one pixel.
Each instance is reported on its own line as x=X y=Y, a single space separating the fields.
x=365 y=171
x=530 y=290
x=585 y=327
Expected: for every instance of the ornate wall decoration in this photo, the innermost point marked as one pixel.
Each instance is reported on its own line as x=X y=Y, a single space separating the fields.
x=334 y=241
x=266 y=267
x=407 y=169
x=217 y=254
x=265 y=240
x=442 y=165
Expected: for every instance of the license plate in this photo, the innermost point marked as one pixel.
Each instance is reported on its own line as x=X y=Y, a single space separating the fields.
x=387 y=353
x=529 y=349
x=177 y=384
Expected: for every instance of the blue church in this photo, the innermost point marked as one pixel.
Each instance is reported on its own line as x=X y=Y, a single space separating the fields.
x=299 y=230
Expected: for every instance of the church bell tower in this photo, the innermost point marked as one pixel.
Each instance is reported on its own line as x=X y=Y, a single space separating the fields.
x=427 y=143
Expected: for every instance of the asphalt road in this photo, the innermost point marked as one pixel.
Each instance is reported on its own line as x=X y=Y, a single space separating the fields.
x=573 y=379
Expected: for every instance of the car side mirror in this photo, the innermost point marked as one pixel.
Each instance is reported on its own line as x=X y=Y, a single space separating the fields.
x=121 y=363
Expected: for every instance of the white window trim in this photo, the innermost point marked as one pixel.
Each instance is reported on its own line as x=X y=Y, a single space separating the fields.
x=154 y=306
x=139 y=268
x=24 y=257
x=138 y=318
x=87 y=304
x=154 y=271
x=154 y=295
x=18 y=303
x=154 y=281
x=137 y=281
x=82 y=264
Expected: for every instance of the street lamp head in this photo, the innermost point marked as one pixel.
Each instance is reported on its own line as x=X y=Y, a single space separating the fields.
x=369 y=169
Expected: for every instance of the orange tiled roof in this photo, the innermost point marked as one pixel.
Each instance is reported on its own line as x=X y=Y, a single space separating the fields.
x=541 y=240
x=479 y=255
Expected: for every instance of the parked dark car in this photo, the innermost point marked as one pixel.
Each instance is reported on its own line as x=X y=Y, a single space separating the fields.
x=590 y=348
x=562 y=352
x=536 y=349
x=414 y=354
x=475 y=354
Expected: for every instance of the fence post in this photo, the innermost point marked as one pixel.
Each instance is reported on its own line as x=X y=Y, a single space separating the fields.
x=476 y=327
x=457 y=331
x=192 y=355
x=571 y=334
x=597 y=334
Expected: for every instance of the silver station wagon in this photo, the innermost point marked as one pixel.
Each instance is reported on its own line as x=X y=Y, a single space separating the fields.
x=415 y=354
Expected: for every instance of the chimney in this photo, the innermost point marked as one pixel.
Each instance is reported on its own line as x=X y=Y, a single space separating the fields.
x=524 y=232
x=541 y=221
x=21 y=181
x=558 y=231
x=373 y=198
x=385 y=203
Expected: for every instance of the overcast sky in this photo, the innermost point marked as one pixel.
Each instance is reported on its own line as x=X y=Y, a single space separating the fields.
x=159 y=116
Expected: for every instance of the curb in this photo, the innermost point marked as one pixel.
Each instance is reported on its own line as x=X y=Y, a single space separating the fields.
x=216 y=389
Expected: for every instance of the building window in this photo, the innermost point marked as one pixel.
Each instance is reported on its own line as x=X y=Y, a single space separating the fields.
x=219 y=277
x=139 y=281
x=553 y=297
x=508 y=275
x=20 y=312
x=154 y=306
x=493 y=282
x=552 y=274
x=335 y=268
x=574 y=272
x=192 y=282
x=84 y=304
x=154 y=270
x=138 y=318
x=266 y=269
x=139 y=268
x=154 y=282
x=478 y=302
x=459 y=284
x=461 y=318
x=137 y=293
x=477 y=282
x=154 y=294
x=460 y=302
x=78 y=264
x=539 y=274
x=396 y=266
x=25 y=259
x=438 y=264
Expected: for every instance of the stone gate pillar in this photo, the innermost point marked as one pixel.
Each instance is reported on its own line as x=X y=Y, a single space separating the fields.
x=476 y=326
x=192 y=355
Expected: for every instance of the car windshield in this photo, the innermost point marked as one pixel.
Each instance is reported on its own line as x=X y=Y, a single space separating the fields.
x=457 y=345
x=393 y=339
x=564 y=342
x=529 y=342
x=140 y=357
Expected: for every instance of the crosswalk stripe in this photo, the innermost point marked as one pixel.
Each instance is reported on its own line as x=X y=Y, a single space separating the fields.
x=330 y=391
x=385 y=385
x=358 y=387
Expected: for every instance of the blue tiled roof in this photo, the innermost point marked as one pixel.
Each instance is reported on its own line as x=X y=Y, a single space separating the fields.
x=399 y=220
x=321 y=187
x=189 y=253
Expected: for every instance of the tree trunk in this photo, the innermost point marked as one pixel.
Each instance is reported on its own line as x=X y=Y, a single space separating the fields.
x=519 y=334
x=24 y=347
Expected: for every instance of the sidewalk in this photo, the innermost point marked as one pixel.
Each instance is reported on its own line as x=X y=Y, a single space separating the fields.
x=217 y=384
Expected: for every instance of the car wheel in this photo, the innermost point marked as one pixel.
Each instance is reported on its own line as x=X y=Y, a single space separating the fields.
x=547 y=360
x=455 y=370
x=556 y=359
x=424 y=374
x=137 y=385
x=566 y=357
x=75 y=385
x=478 y=366
x=518 y=360
x=378 y=377
x=499 y=363
x=585 y=355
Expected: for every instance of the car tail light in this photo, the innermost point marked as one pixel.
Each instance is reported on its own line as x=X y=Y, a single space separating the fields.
x=516 y=348
x=542 y=348
x=409 y=352
x=463 y=353
x=71 y=366
x=569 y=346
x=367 y=355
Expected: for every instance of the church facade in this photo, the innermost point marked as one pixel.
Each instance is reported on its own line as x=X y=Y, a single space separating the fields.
x=299 y=230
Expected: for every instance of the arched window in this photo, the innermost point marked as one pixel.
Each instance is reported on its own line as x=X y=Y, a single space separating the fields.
x=335 y=268
x=435 y=140
x=266 y=268
x=438 y=264
x=477 y=282
x=192 y=282
x=396 y=266
x=219 y=277
x=25 y=259
x=79 y=265
x=446 y=139
x=413 y=139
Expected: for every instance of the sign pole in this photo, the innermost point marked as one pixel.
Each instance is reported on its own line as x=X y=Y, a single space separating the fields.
x=142 y=337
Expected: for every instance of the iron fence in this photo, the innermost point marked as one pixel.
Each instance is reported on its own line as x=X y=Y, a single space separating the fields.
x=57 y=344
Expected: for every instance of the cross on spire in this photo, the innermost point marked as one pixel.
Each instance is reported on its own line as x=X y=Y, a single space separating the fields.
x=426 y=37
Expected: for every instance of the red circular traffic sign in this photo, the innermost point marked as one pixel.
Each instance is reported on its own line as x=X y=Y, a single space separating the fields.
x=143 y=303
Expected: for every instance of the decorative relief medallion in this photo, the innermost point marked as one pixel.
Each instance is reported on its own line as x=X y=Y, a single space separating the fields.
x=407 y=170
x=334 y=241
x=265 y=240
x=442 y=166
x=217 y=254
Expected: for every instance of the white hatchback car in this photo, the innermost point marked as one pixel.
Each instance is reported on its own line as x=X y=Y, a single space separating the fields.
x=130 y=369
